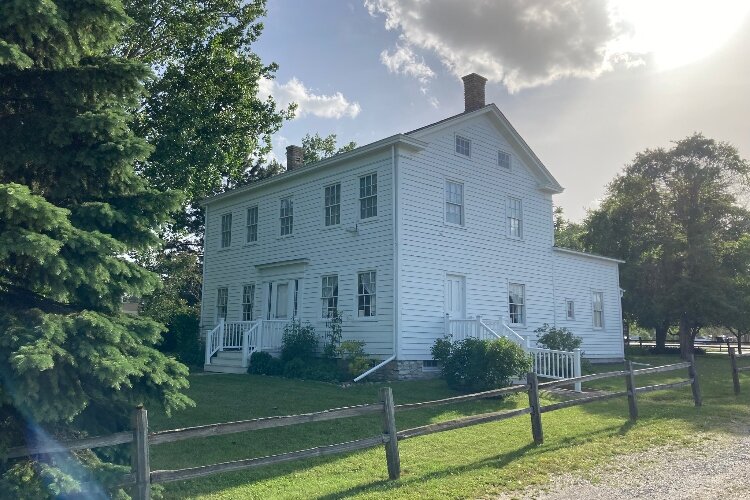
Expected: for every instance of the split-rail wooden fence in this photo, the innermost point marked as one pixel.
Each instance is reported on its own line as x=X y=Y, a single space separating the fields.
x=733 y=357
x=142 y=477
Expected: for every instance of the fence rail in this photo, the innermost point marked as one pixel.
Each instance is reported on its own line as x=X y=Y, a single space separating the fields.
x=736 y=369
x=142 y=477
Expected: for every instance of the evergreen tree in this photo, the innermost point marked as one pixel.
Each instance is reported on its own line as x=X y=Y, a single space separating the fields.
x=71 y=209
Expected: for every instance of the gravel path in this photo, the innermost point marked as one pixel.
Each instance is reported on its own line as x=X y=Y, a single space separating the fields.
x=718 y=469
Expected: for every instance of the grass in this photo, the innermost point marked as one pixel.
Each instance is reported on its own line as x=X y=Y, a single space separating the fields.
x=473 y=462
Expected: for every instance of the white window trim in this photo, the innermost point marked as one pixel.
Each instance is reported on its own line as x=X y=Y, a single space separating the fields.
x=359 y=198
x=338 y=294
x=325 y=206
x=226 y=313
x=593 y=312
x=221 y=230
x=291 y=233
x=510 y=158
x=356 y=315
x=445 y=202
x=524 y=304
x=567 y=316
x=520 y=219
x=456 y=136
x=257 y=224
x=243 y=303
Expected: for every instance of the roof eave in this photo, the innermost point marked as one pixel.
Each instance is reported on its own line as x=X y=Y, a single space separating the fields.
x=586 y=254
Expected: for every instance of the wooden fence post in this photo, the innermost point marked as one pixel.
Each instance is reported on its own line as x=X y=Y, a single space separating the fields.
x=693 y=374
x=735 y=373
x=139 y=458
x=536 y=416
x=389 y=429
x=630 y=384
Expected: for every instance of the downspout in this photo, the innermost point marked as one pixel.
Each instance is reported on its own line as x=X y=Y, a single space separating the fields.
x=203 y=277
x=396 y=303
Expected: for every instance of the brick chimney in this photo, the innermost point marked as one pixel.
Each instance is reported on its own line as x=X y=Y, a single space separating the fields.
x=294 y=157
x=473 y=92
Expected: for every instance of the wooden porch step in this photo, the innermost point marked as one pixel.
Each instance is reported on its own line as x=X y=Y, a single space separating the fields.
x=215 y=368
x=229 y=355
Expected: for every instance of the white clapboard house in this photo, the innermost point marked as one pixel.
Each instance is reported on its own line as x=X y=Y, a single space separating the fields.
x=446 y=229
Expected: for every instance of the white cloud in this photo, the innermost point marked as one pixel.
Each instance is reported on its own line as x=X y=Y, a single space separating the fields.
x=308 y=103
x=525 y=43
x=404 y=61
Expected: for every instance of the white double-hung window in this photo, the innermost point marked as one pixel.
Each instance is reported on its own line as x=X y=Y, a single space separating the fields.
x=517 y=303
x=226 y=230
x=570 y=309
x=286 y=217
x=252 y=224
x=368 y=196
x=332 y=205
x=222 y=299
x=330 y=295
x=515 y=217
x=463 y=146
x=366 y=294
x=598 y=309
x=248 y=302
x=454 y=202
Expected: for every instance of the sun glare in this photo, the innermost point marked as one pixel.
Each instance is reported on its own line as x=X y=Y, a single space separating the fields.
x=677 y=32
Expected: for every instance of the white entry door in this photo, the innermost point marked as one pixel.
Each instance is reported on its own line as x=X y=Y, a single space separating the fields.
x=283 y=299
x=455 y=296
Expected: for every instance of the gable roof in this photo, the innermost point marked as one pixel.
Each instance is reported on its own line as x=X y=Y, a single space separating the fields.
x=412 y=141
x=547 y=182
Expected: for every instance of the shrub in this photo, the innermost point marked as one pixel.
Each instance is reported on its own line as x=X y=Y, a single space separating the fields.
x=298 y=342
x=557 y=339
x=295 y=368
x=352 y=352
x=333 y=335
x=474 y=365
x=262 y=363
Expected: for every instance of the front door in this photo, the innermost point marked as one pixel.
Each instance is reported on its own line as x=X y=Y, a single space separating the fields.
x=455 y=296
x=283 y=299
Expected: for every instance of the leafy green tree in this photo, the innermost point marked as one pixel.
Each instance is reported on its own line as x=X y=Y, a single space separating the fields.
x=736 y=312
x=568 y=234
x=203 y=114
x=670 y=215
x=318 y=148
x=71 y=209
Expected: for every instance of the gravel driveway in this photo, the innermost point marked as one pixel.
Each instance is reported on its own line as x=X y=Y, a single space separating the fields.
x=718 y=469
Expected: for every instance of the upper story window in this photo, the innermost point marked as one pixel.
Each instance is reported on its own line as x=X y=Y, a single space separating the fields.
x=286 y=216
x=222 y=299
x=329 y=294
x=515 y=218
x=463 y=146
x=333 y=205
x=570 y=309
x=368 y=196
x=503 y=159
x=248 y=302
x=366 y=294
x=517 y=303
x=226 y=230
x=454 y=202
x=252 y=224
x=598 y=306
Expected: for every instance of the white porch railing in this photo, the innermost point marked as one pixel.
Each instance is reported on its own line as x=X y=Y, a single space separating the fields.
x=546 y=363
x=244 y=336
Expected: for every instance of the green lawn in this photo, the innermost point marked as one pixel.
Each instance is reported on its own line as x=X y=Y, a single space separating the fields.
x=465 y=463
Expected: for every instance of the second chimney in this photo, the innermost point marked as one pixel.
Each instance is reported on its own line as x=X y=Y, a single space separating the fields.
x=295 y=156
x=473 y=92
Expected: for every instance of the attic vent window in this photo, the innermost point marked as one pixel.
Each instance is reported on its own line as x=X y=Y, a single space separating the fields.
x=463 y=146
x=503 y=159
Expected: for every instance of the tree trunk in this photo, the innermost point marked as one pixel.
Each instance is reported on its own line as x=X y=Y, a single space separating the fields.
x=661 y=336
x=739 y=344
x=686 y=338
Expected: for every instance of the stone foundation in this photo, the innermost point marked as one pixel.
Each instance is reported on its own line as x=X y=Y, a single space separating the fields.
x=404 y=370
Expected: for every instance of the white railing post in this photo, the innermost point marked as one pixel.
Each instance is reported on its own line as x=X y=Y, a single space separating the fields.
x=261 y=329
x=245 y=346
x=221 y=334
x=479 y=327
x=209 y=346
x=447 y=323
x=577 y=367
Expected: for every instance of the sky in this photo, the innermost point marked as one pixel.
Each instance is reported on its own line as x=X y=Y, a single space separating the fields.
x=587 y=83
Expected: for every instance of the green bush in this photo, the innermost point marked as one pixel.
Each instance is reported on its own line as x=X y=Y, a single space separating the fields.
x=262 y=363
x=352 y=353
x=298 y=342
x=557 y=339
x=474 y=365
x=295 y=368
x=333 y=335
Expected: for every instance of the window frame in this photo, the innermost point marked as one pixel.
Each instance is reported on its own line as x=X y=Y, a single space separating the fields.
x=244 y=309
x=335 y=291
x=508 y=217
x=362 y=199
x=522 y=305
x=226 y=230
x=249 y=225
x=373 y=296
x=462 y=205
x=290 y=216
x=457 y=138
x=594 y=294
x=326 y=206
x=510 y=159
x=570 y=309
x=219 y=290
